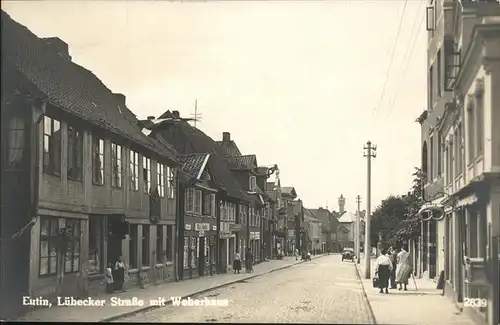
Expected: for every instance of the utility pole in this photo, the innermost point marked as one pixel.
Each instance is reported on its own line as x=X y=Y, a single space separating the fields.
x=358 y=230
x=196 y=116
x=369 y=154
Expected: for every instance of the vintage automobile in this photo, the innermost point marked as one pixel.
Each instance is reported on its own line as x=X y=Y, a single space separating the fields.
x=348 y=254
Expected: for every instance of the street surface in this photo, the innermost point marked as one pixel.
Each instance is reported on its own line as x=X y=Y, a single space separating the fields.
x=324 y=290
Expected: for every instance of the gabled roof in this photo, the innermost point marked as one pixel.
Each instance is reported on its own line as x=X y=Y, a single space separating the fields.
x=246 y=162
x=194 y=164
x=289 y=190
x=69 y=86
x=189 y=140
x=309 y=216
x=230 y=148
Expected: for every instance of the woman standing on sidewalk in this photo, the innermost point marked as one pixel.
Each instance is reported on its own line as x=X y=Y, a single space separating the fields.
x=383 y=268
x=237 y=263
x=119 y=274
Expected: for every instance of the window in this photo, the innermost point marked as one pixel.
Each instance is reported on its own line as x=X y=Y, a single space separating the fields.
x=75 y=154
x=207 y=204
x=170 y=183
x=98 y=160
x=440 y=157
x=459 y=151
x=447 y=164
x=197 y=202
x=72 y=254
x=189 y=200
x=471 y=130
x=170 y=249
x=133 y=246
x=186 y=253
x=431 y=154
x=439 y=80
x=253 y=184
x=194 y=242
x=480 y=124
x=51 y=146
x=134 y=170
x=159 y=244
x=49 y=230
x=214 y=211
x=145 y=245
x=116 y=161
x=431 y=88
x=160 y=175
x=95 y=245
x=16 y=140
x=243 y=214
x=146 y=174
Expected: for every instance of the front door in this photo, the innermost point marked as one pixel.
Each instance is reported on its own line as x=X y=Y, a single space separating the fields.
x=201 y=257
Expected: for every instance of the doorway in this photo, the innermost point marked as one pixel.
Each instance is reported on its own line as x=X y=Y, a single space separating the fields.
x=201 y=257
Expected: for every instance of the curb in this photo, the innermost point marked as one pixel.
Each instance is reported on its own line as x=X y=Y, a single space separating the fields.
x=367 y=301
x=149 y=308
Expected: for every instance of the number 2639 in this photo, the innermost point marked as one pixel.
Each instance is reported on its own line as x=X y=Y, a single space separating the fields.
x=475 y=302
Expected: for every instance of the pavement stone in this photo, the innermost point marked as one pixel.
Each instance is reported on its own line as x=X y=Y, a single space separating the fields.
x=324 y=290
x=422 y=304
x=184 y=288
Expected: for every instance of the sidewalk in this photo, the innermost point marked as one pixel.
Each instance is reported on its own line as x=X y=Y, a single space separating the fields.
x=423 y=306
x=173 y=289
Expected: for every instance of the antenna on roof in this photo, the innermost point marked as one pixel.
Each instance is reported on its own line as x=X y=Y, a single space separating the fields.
x=196 y=116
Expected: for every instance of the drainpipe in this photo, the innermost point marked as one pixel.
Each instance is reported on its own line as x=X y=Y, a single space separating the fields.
x=179 y=226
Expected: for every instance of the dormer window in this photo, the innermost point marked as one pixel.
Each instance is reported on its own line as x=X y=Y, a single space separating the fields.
x=253 y=184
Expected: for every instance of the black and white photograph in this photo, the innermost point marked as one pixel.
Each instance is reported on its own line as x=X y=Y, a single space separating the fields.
x=250 y=161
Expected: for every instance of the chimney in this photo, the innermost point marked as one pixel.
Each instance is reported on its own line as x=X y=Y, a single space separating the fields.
x=176 y=114
x=341 y=203
x=59 y=46
x=151 y=118
x=120 y=98
x=226 y=137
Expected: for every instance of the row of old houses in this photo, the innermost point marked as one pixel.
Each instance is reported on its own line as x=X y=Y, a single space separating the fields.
x=85 y=182
x=459 y=242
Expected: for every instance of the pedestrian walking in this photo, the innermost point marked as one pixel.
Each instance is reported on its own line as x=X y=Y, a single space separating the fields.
x=237 y=263
x=383 y=269
x=119 y=275
x=296 y=254
x=404 y=269
x=249 y=261
x=393 y=254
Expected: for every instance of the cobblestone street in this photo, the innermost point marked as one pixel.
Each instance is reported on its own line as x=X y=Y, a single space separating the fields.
x=324 y=290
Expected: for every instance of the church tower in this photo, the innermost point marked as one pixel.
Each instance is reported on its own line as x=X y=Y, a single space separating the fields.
x=341 y=203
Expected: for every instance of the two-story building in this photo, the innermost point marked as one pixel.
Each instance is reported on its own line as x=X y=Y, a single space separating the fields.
x=471 y=160
x=268 y=219
x=199 y=220
x=314 y=232
x=279 y=234
x=97 y=188
x=230 y=196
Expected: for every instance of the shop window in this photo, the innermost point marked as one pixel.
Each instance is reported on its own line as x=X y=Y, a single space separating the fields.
x=72 y=254
x=170 y=249
x=95 y=245
x=49 y=230
x=159 y=244
x=186 y=253
x=145 y=245
x=133 y=246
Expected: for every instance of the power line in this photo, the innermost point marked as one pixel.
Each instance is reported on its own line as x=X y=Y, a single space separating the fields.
x=407 y=65
x=392 y=56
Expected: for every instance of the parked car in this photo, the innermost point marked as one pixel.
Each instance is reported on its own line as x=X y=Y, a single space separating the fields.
x=348 y=254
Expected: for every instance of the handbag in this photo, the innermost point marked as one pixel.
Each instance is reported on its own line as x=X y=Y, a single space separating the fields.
x=375 y=282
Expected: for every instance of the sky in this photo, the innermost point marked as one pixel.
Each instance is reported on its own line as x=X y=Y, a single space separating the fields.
x=301 y=84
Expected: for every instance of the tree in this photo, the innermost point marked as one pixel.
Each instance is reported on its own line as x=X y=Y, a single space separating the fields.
x=396 y=219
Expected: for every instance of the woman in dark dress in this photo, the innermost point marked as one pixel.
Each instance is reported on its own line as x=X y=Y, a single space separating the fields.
x=383 y=269
x=237 y=263
x=119 y=276
x=249 y=261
